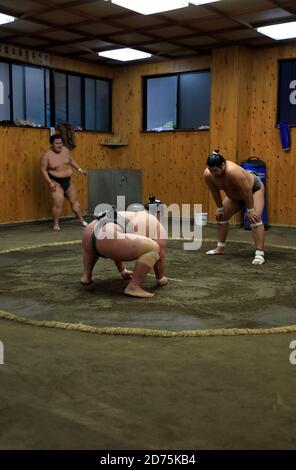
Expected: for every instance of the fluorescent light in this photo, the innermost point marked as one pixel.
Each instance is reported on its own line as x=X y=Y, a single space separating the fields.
x=202 y=2
x=125 y=54
x=279 y=31
x=6 y=18
x=148 y=7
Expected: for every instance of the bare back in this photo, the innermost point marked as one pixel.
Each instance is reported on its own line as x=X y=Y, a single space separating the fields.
x=146 y=224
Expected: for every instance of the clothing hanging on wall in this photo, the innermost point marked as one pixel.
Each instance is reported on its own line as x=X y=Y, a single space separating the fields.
x=68 y=134
x=285 y=135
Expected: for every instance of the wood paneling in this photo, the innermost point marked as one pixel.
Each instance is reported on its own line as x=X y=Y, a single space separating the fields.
x=243 y=118
x=224 y=107
x=244 y=99
x=172 y=162
x=29 y=56
x=230 y=108
x=224 y=101
x=243 y=121
x=265 y=140
x=172 y=168
x=24 y=193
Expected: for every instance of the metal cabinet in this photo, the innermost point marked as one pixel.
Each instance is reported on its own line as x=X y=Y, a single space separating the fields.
x=104 y=185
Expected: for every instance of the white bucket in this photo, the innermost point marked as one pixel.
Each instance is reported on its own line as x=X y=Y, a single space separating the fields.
x=201 y=218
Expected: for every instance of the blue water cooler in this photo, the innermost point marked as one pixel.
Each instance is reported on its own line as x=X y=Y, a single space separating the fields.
x=259 y=167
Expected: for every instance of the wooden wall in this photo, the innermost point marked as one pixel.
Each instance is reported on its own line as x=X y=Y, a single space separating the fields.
x=243 y=123
x=51 y=60
x=265 y=140
x=243 y=117
x=172 y=162
x=22 y=195
x=230 y=108
x=23 y=192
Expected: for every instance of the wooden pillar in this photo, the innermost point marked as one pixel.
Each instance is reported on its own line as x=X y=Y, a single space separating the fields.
x=230 y=108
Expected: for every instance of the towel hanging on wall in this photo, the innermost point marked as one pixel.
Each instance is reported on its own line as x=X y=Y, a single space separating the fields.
x=285 y=135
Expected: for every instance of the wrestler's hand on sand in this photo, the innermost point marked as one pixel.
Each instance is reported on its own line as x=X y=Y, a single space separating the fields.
x=162 y=281
x=127 y=274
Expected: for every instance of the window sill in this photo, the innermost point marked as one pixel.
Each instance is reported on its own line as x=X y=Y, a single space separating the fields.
x=15 y=126
x=168 y=131
x=106 y=144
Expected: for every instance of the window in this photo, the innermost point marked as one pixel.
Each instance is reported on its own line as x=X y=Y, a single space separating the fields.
x=194 y=102
x=35 y=95
x=18 y=82
x=47 y=94
x=28 y=93
x=83 y=101
x=22 y=93
x=67 y=92
x=43 y=97
x=97 y=104
x=74 y=99
x=90 y=91
x=60 y=97
x=162 y=103
x=4 y=92
x=177 y=101
x=287 y=92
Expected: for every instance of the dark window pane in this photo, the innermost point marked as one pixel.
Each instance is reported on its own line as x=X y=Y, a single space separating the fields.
x=178 y=101
x=35 y=95
x=90 y=95
x=47 y=94
x=194 y=100
x=4 y=92
x=102 y=105
x=28 y=94
x=32 y=100
x=74 y=100
x=162 y=103
x=18 y=90
x=60 y=97
x=287 y=92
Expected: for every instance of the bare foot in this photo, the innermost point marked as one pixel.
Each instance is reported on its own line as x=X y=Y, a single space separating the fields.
x=85 y=281
x=216 y=251
x=56 y=228
x=137 y=292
